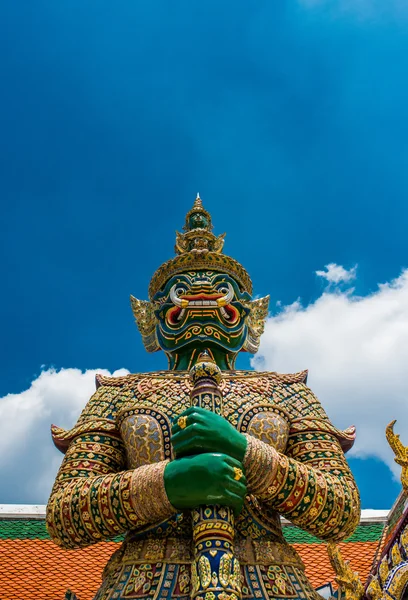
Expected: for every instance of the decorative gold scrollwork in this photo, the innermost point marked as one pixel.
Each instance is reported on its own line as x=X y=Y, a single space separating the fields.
x=347 y=579
x=400 y=451
x=204 y=571
x=143 y=311
x=384 y=570
x=374 y=590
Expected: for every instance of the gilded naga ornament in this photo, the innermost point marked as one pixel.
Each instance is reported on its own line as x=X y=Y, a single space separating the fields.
x=194 y=465
x=400 y=451
x=348 y=580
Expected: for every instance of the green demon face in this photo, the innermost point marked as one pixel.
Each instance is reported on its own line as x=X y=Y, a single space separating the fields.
x=201 y=308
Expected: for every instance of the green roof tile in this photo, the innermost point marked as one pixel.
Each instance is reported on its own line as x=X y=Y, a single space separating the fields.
x=364 y=533
x=27 y=529
x=34 y=529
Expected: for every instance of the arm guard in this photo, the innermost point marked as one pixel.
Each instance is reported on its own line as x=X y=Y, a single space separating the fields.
x=311 y=485
x=94 y=497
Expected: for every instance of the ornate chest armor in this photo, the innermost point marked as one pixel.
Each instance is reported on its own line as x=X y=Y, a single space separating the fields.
x=146 y=435
x=135 y=413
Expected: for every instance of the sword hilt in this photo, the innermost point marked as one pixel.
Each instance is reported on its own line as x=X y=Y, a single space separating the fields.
x=215 y=570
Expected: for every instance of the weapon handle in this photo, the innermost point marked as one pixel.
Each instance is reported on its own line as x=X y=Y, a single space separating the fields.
x=215 y=570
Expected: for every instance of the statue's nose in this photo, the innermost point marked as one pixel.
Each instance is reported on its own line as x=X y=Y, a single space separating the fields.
x=201 y=283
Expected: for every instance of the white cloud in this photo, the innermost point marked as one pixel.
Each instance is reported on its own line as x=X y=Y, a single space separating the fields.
x=356 y=349
x=336 y=274
x=28 y=460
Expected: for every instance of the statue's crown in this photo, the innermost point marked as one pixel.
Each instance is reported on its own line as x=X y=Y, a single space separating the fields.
x=199 y=249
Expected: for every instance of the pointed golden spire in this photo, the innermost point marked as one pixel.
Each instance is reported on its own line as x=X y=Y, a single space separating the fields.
x=197 y=217
x=198 y=205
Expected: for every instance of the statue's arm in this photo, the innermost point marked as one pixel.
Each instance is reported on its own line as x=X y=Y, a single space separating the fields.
x=95 y=498
x=311 y=485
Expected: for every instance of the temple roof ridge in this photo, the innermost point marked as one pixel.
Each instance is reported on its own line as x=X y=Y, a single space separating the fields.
x=22 y=511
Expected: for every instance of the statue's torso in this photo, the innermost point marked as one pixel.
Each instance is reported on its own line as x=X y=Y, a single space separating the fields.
x=145 y=424
x=253 y=404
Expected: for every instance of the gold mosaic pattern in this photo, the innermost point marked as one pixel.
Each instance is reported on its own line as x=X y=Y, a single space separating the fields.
x=93 y=498
x=321 y=498
x=143 y=439
x=211 y=261
x=270 y=428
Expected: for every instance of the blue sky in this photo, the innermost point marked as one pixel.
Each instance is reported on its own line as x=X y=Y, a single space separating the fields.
x=290 y=119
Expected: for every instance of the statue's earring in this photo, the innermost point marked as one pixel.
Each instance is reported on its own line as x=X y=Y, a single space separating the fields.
x=143 y=311
x=256 y=323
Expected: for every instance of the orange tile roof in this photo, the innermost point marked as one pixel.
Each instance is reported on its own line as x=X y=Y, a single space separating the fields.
x=32 y=566
x=39 y=570
x=318 y=568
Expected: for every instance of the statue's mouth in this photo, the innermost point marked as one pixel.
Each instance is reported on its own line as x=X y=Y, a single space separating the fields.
x=224 y=296
x=200 y=306
x=202 y=310
x=200 y=300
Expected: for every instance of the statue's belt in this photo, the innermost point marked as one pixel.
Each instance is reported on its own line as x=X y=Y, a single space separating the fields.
x=180 y=550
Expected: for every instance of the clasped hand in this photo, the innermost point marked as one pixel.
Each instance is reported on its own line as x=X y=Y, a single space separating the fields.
x=208 y=462
x=206 y=431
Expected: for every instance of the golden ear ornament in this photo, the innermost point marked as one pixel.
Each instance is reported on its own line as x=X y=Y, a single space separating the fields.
x=143 y=311
x=256 y=323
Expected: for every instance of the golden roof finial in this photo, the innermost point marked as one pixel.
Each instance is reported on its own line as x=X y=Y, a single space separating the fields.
x=400 y=451
x=347 y=579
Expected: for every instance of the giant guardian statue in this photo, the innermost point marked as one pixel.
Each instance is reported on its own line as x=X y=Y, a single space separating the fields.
x=195 y=465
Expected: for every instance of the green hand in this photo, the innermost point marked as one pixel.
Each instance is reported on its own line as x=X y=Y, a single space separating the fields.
x=206 y=431
x=205 y=479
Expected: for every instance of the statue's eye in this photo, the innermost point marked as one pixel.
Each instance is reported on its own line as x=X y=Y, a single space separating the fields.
x=223 y=290
x=180 y=291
